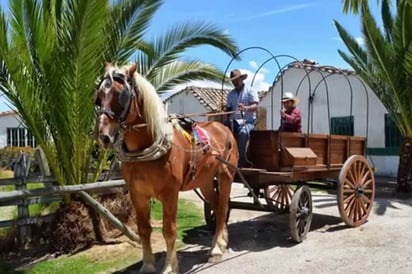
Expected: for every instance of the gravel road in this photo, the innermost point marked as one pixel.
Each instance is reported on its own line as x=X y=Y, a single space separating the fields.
x=260 y=243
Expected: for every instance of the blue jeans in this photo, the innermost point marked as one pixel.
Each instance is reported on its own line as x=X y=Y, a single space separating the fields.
x=242 y=133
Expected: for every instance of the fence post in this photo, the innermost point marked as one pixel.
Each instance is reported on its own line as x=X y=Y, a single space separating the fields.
x=43 y=164
x=20 y=170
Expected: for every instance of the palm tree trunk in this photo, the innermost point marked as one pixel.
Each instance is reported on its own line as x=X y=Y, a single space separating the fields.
x=405 y=166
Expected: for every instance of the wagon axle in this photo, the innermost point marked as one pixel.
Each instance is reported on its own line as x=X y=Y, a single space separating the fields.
x=304 y=212
x=359 y=190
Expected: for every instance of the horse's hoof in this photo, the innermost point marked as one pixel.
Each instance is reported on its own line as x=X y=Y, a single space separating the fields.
x=170 y=270
x=215 y=258
x=148 y=269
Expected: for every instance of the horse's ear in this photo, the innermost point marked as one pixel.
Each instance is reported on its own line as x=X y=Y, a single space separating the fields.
x=107 y=66
x=132 y=69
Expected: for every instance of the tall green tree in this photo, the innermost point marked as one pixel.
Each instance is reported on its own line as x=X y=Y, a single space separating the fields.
x=52 y=52
x=385 y=64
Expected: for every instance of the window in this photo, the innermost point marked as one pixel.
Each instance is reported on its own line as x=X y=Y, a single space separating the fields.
x=20 y=137
x=392 y=135
x=342 y=125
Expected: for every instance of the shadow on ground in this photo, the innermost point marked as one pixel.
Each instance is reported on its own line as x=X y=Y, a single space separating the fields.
x=261 y=233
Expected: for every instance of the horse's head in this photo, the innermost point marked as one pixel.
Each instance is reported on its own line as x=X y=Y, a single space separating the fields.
x=113 y=99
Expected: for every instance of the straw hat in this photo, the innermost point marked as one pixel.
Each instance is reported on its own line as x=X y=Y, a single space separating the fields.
x=288 y=96
x=234 y=74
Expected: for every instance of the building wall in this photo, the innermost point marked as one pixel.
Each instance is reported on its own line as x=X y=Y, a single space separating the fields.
x=336 y=88
x=7 y=121
x=186 y=103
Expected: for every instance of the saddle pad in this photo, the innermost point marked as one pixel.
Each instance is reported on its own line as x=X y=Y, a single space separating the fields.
x=200 y=135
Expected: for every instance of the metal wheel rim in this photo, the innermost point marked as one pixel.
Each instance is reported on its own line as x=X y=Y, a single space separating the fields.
x=300 y=217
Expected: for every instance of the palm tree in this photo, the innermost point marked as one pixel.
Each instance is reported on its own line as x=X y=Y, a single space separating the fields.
x=52 y=52
x=385 y=64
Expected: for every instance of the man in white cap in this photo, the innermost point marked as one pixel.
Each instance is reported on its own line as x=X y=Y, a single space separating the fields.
x=291 y=117
x=244 y=100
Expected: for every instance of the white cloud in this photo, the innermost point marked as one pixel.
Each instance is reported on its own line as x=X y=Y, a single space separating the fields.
x=253 y=64
x=360 y=41
x=258 y=80
x=282 y=10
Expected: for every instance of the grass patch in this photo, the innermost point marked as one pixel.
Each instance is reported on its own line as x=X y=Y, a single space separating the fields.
x=188 y=216
x=5 y=174
x=121 y=256
x=82 y=264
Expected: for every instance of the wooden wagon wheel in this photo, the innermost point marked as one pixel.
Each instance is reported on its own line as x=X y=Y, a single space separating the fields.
x=356 y=190
x=300 y=216
x=278 y=196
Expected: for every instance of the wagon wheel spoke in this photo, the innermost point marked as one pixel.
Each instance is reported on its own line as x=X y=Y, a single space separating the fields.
x=366 y=199
x=349 y=183
x=368 y=183
x=278 y=196
x=356 y=190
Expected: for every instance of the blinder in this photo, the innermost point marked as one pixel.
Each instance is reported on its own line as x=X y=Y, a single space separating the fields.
x=124 y=95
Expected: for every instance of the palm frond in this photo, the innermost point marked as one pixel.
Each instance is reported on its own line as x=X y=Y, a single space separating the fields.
x=180 y=72
x=128 y=24
x=359 y=54
x=185 y=36
x=387 y=20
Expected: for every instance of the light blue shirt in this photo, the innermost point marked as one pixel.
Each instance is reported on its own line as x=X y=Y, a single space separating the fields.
x=247 y=96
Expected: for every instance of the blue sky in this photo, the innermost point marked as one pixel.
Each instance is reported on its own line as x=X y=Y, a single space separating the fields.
x=300 y=28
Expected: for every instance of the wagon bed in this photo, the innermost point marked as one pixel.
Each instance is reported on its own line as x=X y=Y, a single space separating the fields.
x=284 y=165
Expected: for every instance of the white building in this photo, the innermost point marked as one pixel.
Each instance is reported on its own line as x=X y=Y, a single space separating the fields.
x=196 y=101
x=335 y=101
x=13 y=132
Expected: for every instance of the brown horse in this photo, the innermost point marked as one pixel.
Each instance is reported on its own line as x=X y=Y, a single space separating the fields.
x=159 y=159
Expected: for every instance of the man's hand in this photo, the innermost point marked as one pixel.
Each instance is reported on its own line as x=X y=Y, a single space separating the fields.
x=282 y=114
x=242 y=107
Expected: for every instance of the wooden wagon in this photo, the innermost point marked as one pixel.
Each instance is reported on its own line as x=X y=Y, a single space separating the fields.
x=285 y=164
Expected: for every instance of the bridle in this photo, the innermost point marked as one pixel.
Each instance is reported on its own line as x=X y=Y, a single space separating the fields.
x=125 y=98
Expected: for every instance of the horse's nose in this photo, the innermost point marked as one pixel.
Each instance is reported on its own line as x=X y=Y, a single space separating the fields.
x=104 y=139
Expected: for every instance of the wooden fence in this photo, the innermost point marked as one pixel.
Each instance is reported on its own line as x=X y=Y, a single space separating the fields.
x=22 y=197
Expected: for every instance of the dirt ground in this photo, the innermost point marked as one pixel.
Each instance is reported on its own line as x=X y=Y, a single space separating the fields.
x=260 y=241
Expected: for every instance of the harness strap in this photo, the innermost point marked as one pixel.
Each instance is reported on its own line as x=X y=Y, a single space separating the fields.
x=160 y=147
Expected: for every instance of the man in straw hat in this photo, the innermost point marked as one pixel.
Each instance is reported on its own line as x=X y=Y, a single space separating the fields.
x=244 y=101
x=291 y=117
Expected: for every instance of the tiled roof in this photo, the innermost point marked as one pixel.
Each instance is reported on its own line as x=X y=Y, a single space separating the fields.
x=313 y=65
x=8 y=112
x=210 y=98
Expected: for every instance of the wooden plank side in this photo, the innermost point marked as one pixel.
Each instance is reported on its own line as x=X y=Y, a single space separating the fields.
x=263 y=149
x=357 y=146
x=338 y=150
x=319 y=144
x=292 y=139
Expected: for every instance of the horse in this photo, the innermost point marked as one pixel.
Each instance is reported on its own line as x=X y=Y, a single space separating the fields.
x=159 y=158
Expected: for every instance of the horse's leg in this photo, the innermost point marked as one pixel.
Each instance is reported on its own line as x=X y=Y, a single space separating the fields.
x=220 y=239
x=169 y=231
x=142 y=206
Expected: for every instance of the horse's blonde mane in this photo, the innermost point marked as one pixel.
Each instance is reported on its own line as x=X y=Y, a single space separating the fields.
x=153 y=109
